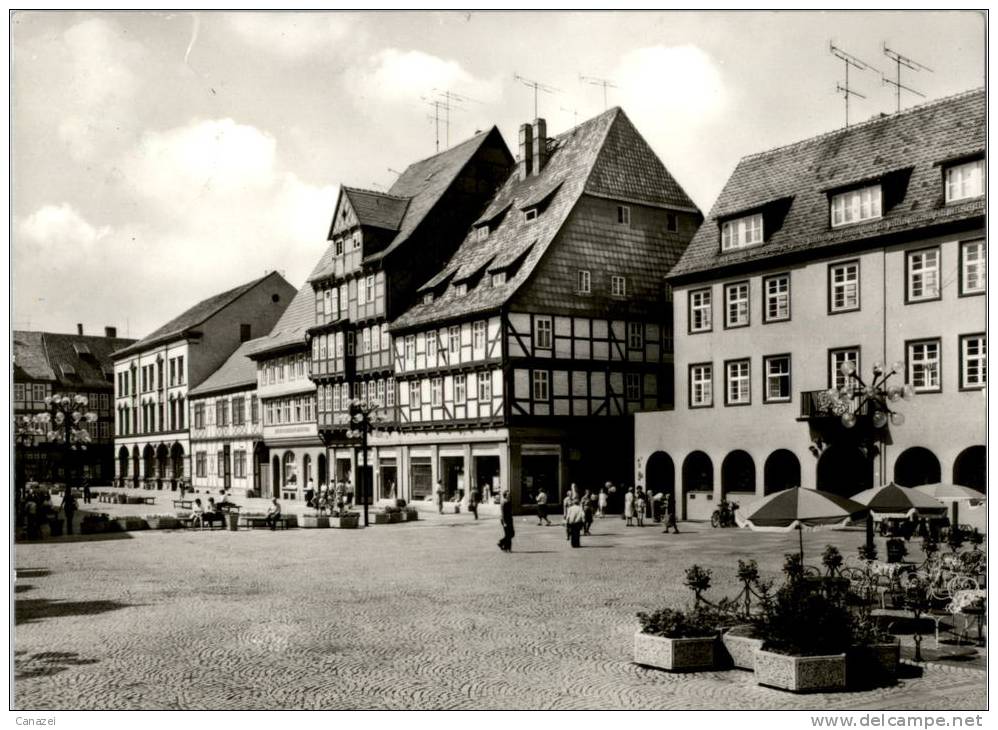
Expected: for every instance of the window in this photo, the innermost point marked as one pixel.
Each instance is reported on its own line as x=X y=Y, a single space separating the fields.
x=741 y=232
x=454 y=340
x=386 y=338
x=414 y=399
x=410 y=351
x=836 y=358
x=624 y=215
x=254 y=410
x=239 y=464
x=220 y=462
x=671 y=222
x=350 y=340
x=542 y=333
x=460 y=389
x=736 y=304
x=238 y=411
x=973 y=361
x=585 y=285
x=541 y=390
x=965 y=181
x=221 y=413
x=381 y=392
x=701 y=385
x=530 y=215
x=632 y=386
x=428 y=297
x=180 y=370
x=431 y=348
x=635 y=335
x=173 y=370
x=370 y=289
x=843 y=287
x=700 y=314
x=776 y=295
x=618 y=286
x=922 y=275
x=390 y=393
x=460 y=289
x=777 y=374
x=18 y=391
x=309 y=404
x=482 y=232
x=972 y=268
x=498 y=278
x=484 y=387
x=478 y=336
x=199 y=415
x=924 y=366
x=286 y=411
x=436 y=392
x=737 y=392
x=856 y=205
x=298 y=409
x=201 y=464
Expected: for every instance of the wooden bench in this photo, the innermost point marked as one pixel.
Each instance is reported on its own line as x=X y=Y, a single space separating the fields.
x=183 y=504
x=149 y=500
x=209 y=520
x=260 y=521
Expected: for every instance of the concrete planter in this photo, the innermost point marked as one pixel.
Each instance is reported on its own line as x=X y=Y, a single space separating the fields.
x=164 y=522
x=395 y=517
x=347 y=522
x=314 y=521
x=379 y=518
x=411 y=514
x=130 y=524
x=874 y=665
x=674 y=655
x=741 y=646
x=800 y=673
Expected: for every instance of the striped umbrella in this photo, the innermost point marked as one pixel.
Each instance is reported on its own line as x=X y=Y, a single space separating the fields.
x=892 y=500
x=796 y=508
x=946 y=492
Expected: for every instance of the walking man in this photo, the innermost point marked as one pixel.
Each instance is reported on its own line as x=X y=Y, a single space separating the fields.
x=506 y=520
x=440 y=497
x=542 y=506
x=670 y=515
x=473 y=502
x=587 y=510
x=575 y=519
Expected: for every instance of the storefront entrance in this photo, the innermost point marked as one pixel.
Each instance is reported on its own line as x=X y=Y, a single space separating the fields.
x=452 y=476
x=540 y=471
x=388 y=475
x=487 y=477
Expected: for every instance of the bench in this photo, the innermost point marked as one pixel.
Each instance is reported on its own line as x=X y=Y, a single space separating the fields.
x=149 y=500
x=260 y=521
x=209 y=520
x=183 y=504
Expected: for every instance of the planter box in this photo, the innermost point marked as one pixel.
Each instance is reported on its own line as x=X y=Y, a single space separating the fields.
x=312 y=521
x=291 y=520
x=395 y=517
x=129 y=524
x=378 y=518
x=411 y=514
x=800 y=673
x=741 y=646
x=874 y=665
x=674 y=655
x=163 y=523
x=347 y=522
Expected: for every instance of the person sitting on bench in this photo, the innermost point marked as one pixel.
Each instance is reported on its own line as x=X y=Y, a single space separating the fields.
x=273 y=514
x=197 y=514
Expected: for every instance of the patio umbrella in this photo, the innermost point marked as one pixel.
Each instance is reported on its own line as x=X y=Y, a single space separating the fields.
x=797 y=508
x=891 y=500
x=946 y=492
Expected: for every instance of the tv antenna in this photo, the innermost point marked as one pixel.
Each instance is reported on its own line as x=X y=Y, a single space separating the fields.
x=596 y=81
x=848 y=60
x=900 y=61
x=574 y=113
x=536 y=86
x=437 y=105
x=449 y=98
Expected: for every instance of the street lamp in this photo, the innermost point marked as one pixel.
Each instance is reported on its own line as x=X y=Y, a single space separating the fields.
x=63 y=422
x=365 y=416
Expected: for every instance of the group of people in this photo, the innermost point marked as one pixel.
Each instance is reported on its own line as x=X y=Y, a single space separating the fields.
x=474 y=497
x=36 y=509
x=639 y=504
x=325 y=500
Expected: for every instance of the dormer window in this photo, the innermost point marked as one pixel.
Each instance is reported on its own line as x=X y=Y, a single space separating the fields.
x=498 y=278
x=965 y=181
x=460 y=289
x=428 y=297
x=482 y=233
x=530 y=215
x=858 y=205
x=741 y=232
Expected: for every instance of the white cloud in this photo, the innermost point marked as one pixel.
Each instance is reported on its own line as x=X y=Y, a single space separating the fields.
x=405 y=76
x=60 y=229
x=673 y=84
x=292 y=36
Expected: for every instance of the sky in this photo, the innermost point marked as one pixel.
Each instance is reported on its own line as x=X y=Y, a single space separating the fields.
x=160 y=158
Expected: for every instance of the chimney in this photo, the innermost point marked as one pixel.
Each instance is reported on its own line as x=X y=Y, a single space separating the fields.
x=110 y=331
x=526 y=151
x=540 y=145
x=79 y=328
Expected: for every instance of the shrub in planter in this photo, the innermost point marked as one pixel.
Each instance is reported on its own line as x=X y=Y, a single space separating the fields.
x=379 y=518
x=314 y=520
x=129 y=524
x=411 y=513
x=162 y=522
x=873 y=659
x=345 y=520
x=676 y=640
x=93 y=524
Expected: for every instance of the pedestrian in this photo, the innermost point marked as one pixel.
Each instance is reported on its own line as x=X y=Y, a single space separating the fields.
x=566 y=504
x=587 y=511
x=31 y=517
x=309 y=494
x=273 y=514
x=629 y=507
x=69 y=508
x=183 y=488
x=603 y=497
x=440 y=497
x=86 y=491
x=542 y=506
x=640 y=505
x=575 y=519
x=473 y=502
x=670 y=515
x=506 y=520
x=197 y=514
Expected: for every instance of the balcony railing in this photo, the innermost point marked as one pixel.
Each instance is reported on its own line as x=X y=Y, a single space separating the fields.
x=815 y=404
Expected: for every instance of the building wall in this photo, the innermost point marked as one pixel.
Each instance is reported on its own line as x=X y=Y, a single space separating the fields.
x=212 y=438
x=946 y=423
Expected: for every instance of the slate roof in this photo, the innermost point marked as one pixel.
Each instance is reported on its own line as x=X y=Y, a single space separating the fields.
x=581 y=160
x=42 y=355
x=192 y=317
x=236 y=372
x=289 y=331
x=375 y=209
x=917 y=140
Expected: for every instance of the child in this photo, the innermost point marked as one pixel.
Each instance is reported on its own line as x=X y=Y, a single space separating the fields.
x=602 y=503
x=640 y=505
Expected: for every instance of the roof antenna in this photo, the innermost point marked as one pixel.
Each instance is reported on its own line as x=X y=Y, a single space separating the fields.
x=449 y=98
x=437 y=105
x=596 y=81
x=900 y=61
x=849 y=60
x=536 y=86
x=575 y=115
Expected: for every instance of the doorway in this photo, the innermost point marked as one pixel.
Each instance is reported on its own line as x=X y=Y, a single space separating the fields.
x=388 y=473
x=541 y=471
x=487 y=477
x=452 y=475
x=276 y=478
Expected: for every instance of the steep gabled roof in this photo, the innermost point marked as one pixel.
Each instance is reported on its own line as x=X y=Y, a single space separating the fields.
x=574 y=158
x=377 y=210
x=192 y=317
x=236 y=372
x=71 y=361
x=290 y=329
x=915 y=142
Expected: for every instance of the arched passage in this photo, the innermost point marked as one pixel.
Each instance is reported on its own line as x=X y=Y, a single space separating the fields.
x=148 y=462
x=162 y=461
x=135 y=466
x=261 y=458
x=844 y=470
x=698 y=486
x=970 y=470
x=737 y=473
x=916 y=466
x=781 y=471
x=660 y=474
x=123 y=463
x=290 y=475
x=177 y=460
x=276 y=477
x=322 y=469
x=306 y=470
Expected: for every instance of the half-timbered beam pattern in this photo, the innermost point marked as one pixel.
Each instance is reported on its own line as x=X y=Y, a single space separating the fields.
x=544 y=336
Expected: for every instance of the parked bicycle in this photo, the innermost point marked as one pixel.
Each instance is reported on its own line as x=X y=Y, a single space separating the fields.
x=724 y=515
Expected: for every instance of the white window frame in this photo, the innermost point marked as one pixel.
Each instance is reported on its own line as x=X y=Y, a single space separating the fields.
x=584 y=282
x=701 y=307
x=541 y=381
x=543 y=333
x=484 y=387
x=770 y=375
x=460 y=289
x=436 y=391
x=618 y=286
x=924 y=360
x=632 y=386
x=701 y=385
x=530 y=215
x=841 y=280
x=736 y=304
x=738 y=383
x=965 y=181
x=415 y=399
x=973 y=267
x=498 y=279
x=390 y=393
x=460 y=389
x=836 y=358
x=922 y=275
x=430 y=340
x=409 y=353
x=454 y=340
x=856 y=206
x=481 y=233
x=776 y=296
x=624 y=215
x=742 y=232
x=478 y=339
x=635 y=335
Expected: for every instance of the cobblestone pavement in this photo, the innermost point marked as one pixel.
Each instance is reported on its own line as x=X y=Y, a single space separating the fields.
x=422 y=615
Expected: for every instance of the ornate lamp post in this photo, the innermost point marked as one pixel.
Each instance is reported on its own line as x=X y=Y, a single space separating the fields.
x=365 y=416
x=62 y=423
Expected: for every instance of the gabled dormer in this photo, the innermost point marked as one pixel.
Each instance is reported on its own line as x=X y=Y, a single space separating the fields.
x=752 y=226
